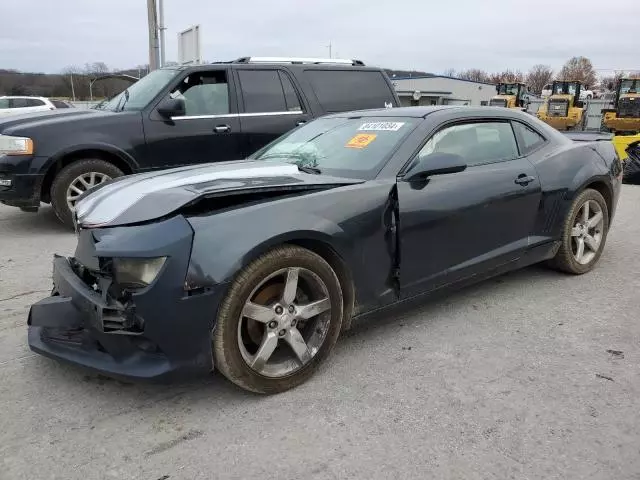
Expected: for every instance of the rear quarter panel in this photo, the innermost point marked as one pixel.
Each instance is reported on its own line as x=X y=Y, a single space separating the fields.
x=565 y=171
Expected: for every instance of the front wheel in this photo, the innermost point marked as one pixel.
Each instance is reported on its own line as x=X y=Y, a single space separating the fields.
x=584 y=234
x=75 y=179
x=279 y=321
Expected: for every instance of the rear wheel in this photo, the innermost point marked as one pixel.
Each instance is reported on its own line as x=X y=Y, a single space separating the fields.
x=75 y=179
x=584 y=234
x=279 y=321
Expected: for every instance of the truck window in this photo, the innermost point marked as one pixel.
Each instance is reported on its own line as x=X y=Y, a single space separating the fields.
x=59 y=104
x=4 y=103
x=290 y=95
x=34 y=102
x=343 y=90
x=204 y=93
x=262 y=91
x=17 y=103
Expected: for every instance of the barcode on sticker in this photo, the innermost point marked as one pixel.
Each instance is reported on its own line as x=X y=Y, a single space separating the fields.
x=381 y=126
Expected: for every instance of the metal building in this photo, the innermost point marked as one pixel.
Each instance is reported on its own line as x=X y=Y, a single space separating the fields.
x=441 y=90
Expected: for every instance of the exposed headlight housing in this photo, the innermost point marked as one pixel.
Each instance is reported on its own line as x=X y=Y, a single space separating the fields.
x=137 y=272
x=15 y=145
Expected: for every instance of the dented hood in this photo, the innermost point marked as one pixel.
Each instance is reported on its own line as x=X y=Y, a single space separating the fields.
x=148 y=196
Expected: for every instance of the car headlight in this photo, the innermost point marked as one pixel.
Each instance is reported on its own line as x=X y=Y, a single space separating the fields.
x=137 y=272
x=15 y=145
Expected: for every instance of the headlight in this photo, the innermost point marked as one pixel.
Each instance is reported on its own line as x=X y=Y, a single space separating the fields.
x=15 y=145
x=137 y=272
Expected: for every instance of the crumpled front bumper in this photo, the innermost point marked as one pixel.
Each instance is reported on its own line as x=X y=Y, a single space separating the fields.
x=72 y=324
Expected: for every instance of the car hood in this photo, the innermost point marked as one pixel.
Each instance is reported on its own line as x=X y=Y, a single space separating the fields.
x=148 y=196
x=26 y=121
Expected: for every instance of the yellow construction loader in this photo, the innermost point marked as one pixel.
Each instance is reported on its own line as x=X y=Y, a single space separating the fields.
x=511 y=95
x=624 y=119
x=563 y=109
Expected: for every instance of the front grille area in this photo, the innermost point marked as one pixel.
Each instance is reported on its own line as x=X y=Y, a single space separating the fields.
x=629 y=108
x=558 y=108
x=120 y=315
x=498 y=102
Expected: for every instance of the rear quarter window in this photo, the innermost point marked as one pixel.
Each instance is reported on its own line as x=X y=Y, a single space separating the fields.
x=344 y=90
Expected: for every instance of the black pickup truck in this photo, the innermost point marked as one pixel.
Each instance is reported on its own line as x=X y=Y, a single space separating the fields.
x=176 y=116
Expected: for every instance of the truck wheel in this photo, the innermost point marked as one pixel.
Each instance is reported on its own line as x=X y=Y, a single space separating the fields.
x=75 y=179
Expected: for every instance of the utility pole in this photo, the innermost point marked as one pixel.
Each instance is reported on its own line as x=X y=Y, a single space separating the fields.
x=154 y=57
x=73 y=90
x=162 y=28
x=329 y=49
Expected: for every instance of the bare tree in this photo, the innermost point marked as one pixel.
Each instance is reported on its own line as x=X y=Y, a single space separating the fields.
x=507 y=76
x=449 y=72
x=579 y=68
x=474 y=74
x=538 y=77
x=609 y=82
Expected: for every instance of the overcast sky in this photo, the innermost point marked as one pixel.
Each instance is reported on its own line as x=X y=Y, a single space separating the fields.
x=47 y=35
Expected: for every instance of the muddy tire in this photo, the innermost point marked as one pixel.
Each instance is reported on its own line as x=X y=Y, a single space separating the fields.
x=584 y=234
x=76 y=178
x=279 y=321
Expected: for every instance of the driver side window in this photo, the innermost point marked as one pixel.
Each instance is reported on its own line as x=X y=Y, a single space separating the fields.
x=477 y=143
x=204 y=93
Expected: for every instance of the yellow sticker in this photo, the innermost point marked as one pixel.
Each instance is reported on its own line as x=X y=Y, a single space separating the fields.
x=362 y=140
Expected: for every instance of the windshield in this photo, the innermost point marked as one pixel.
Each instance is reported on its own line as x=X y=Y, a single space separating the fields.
x=140 y=93
x=343 y=147
x=508 y=89
x=564 y=88
x=629 y=86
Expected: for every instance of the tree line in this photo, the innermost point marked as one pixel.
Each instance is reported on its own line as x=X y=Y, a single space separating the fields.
x=74 y=81
x=576 y=68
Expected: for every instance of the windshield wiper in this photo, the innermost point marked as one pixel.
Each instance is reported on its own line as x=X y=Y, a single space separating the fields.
x=309 y=169
x=126 y=99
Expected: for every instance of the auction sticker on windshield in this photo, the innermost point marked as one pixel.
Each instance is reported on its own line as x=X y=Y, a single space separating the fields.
x=381 y=126
x=362 y=140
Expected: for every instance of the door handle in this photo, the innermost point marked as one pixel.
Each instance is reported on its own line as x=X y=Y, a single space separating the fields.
x=301 y=122
x=524 y=180
x=222 y=129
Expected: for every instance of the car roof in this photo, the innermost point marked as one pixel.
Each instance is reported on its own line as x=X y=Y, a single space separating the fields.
x=422 y=112
x=23 y=96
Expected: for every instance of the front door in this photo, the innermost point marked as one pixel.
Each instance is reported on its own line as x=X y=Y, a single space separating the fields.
x=208 y=132
x=455 y=225
x=270 y=106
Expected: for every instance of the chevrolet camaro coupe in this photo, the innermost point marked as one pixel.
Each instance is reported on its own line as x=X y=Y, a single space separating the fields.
x=256 y=266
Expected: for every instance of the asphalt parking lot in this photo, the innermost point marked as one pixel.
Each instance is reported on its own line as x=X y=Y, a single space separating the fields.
x=531 y=375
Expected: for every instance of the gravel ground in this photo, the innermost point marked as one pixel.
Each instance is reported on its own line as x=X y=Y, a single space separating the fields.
x=531 y=375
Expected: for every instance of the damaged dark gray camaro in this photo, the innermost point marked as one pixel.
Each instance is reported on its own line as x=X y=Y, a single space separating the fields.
x=256 y=266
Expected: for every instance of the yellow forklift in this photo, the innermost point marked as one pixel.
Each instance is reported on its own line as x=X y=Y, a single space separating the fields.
x=511 y=95
x=564 y=110
x=624 y=119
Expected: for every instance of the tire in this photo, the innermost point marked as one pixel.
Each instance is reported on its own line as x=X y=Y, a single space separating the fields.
x=566 y=258
x=70 y=174
x=232 y=358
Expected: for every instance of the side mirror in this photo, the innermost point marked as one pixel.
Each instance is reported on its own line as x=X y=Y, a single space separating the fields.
x=610 y=85
x=172 y=107
x=436 y=164
x=528 y=88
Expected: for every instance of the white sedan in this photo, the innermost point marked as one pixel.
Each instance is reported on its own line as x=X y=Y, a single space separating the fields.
x=17 y=105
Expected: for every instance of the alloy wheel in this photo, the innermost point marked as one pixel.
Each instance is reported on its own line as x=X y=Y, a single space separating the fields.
x=587 y=232
x=81 y=184
x=284 y=322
